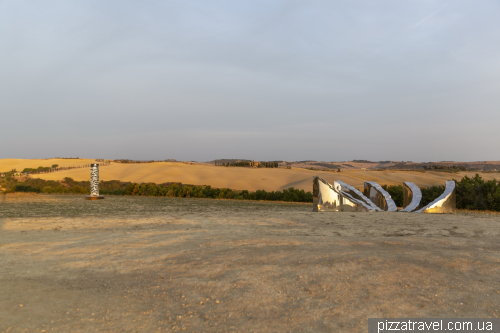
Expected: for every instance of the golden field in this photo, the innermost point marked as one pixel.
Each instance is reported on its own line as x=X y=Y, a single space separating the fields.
x=19 y=164
x=230 y=177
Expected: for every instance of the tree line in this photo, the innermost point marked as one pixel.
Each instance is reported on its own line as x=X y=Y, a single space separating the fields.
x=40 y=169
x=453 y=168
x=179 y=190
x=427 y=167
x=236 y=164
x=248 y=164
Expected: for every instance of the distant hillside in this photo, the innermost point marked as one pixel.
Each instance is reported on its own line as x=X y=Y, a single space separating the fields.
x=227 y=160
x=355 y=164
x=436 y=166
x=399 y=165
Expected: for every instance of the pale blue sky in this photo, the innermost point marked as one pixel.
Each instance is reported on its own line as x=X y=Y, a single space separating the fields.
x=262 y=80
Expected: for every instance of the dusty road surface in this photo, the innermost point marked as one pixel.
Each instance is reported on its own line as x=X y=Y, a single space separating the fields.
x=138 y=264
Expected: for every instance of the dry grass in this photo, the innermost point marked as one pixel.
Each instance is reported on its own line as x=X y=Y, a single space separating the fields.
x=477 y=212
x=139 y=264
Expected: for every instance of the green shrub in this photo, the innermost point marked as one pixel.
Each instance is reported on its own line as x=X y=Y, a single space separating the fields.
x=396 y=192
x=478 y=194
x=25 y=188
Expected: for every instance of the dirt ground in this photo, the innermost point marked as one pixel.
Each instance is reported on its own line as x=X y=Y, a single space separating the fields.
x=142 y=264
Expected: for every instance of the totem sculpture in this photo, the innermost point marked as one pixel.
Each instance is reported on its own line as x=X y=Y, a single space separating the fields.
x=94 y=183
x=343 y=197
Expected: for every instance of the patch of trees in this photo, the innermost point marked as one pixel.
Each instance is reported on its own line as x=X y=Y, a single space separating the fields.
x=68 y=185
x=273 y=164
x=247 y=164
x=39 y=169
x=452 y=168
x=404 y=166
x=131 y=161
x=9 y=174
x=192 y=191
x=478 y=194
x=115 y=187
x=25 y=188
x=363 y=161
x=429 y=167
x=328 y=166
x=101 y=160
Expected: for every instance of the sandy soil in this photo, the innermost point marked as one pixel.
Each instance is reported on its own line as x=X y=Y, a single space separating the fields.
x=252 y=178
x=139 y=264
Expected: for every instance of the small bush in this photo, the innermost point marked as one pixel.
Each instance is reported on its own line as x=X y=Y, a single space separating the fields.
x=25 y=188
x=396 y=192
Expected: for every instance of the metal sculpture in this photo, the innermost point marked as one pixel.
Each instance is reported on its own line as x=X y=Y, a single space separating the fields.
x=380 y=197
x=333 y=198
x=354 y=193
x=94 y=183
x=445 y=203
x=343 y=197
x=411 y=197
x=325 y=197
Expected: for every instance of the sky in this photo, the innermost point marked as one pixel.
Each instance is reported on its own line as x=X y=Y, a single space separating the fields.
x=262 y=80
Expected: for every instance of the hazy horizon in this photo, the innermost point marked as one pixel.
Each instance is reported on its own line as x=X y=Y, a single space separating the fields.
x=261 y=160
x=282 y=80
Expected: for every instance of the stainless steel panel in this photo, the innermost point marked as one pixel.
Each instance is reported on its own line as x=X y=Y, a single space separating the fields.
x=445 y=203
x=356 y=194
x=411 y=197
x=380 y=197
x=328 y=197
